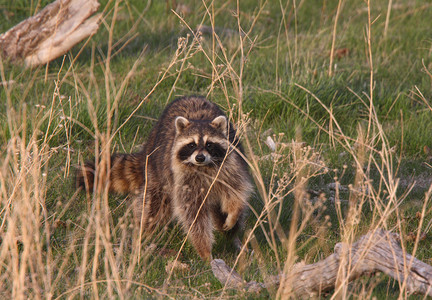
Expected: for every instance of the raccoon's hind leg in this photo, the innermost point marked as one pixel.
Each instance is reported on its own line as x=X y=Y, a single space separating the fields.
x=154 y=211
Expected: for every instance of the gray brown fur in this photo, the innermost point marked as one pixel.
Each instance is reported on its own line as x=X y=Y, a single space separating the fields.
x=179 y=176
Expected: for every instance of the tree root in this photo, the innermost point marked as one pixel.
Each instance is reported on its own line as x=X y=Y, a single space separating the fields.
x=377 y=251
x=50 y=33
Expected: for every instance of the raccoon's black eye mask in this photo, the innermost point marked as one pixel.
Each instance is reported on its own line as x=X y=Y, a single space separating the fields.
x=192 y=145
x=216 y=151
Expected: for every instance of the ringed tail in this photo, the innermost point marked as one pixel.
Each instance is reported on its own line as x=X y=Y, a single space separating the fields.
x=126 y=174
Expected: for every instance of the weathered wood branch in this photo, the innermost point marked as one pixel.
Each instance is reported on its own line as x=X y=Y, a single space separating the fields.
x=377 y=251
x=51 y=32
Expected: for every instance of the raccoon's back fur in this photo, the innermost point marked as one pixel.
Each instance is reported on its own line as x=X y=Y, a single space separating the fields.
x=189 y=168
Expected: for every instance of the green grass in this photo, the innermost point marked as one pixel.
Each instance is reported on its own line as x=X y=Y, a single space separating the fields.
x=286 y=88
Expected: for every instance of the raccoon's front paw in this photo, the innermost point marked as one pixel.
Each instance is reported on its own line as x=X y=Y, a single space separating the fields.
x=230 y=221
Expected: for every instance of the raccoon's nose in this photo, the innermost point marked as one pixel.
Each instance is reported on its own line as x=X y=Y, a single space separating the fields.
x=200 y=158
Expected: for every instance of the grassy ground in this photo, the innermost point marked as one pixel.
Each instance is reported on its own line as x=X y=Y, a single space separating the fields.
x=344 y=92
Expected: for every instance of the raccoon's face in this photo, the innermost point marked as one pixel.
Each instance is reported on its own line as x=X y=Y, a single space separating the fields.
x=201 y=143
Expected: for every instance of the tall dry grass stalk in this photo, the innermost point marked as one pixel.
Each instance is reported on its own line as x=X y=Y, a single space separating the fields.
x=332 y=49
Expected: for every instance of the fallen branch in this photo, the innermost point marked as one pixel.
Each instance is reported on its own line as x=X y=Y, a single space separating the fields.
x=377 y=251
x=52 y=32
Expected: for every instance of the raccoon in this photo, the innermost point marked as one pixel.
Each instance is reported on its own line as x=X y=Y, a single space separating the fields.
x=191 y=168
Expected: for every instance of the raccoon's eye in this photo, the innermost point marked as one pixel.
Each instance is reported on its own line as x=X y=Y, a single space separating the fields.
x=191 y=145
x=209 y=145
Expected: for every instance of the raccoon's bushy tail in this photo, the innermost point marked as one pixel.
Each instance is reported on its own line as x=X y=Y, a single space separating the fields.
x=126 y=174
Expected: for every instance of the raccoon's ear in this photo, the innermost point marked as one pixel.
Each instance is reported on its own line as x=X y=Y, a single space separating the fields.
x=220 y=123
x=181 y=123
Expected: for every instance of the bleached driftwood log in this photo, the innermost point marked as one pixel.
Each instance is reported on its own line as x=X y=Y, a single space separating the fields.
x=51 y=32
x=377 y=251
